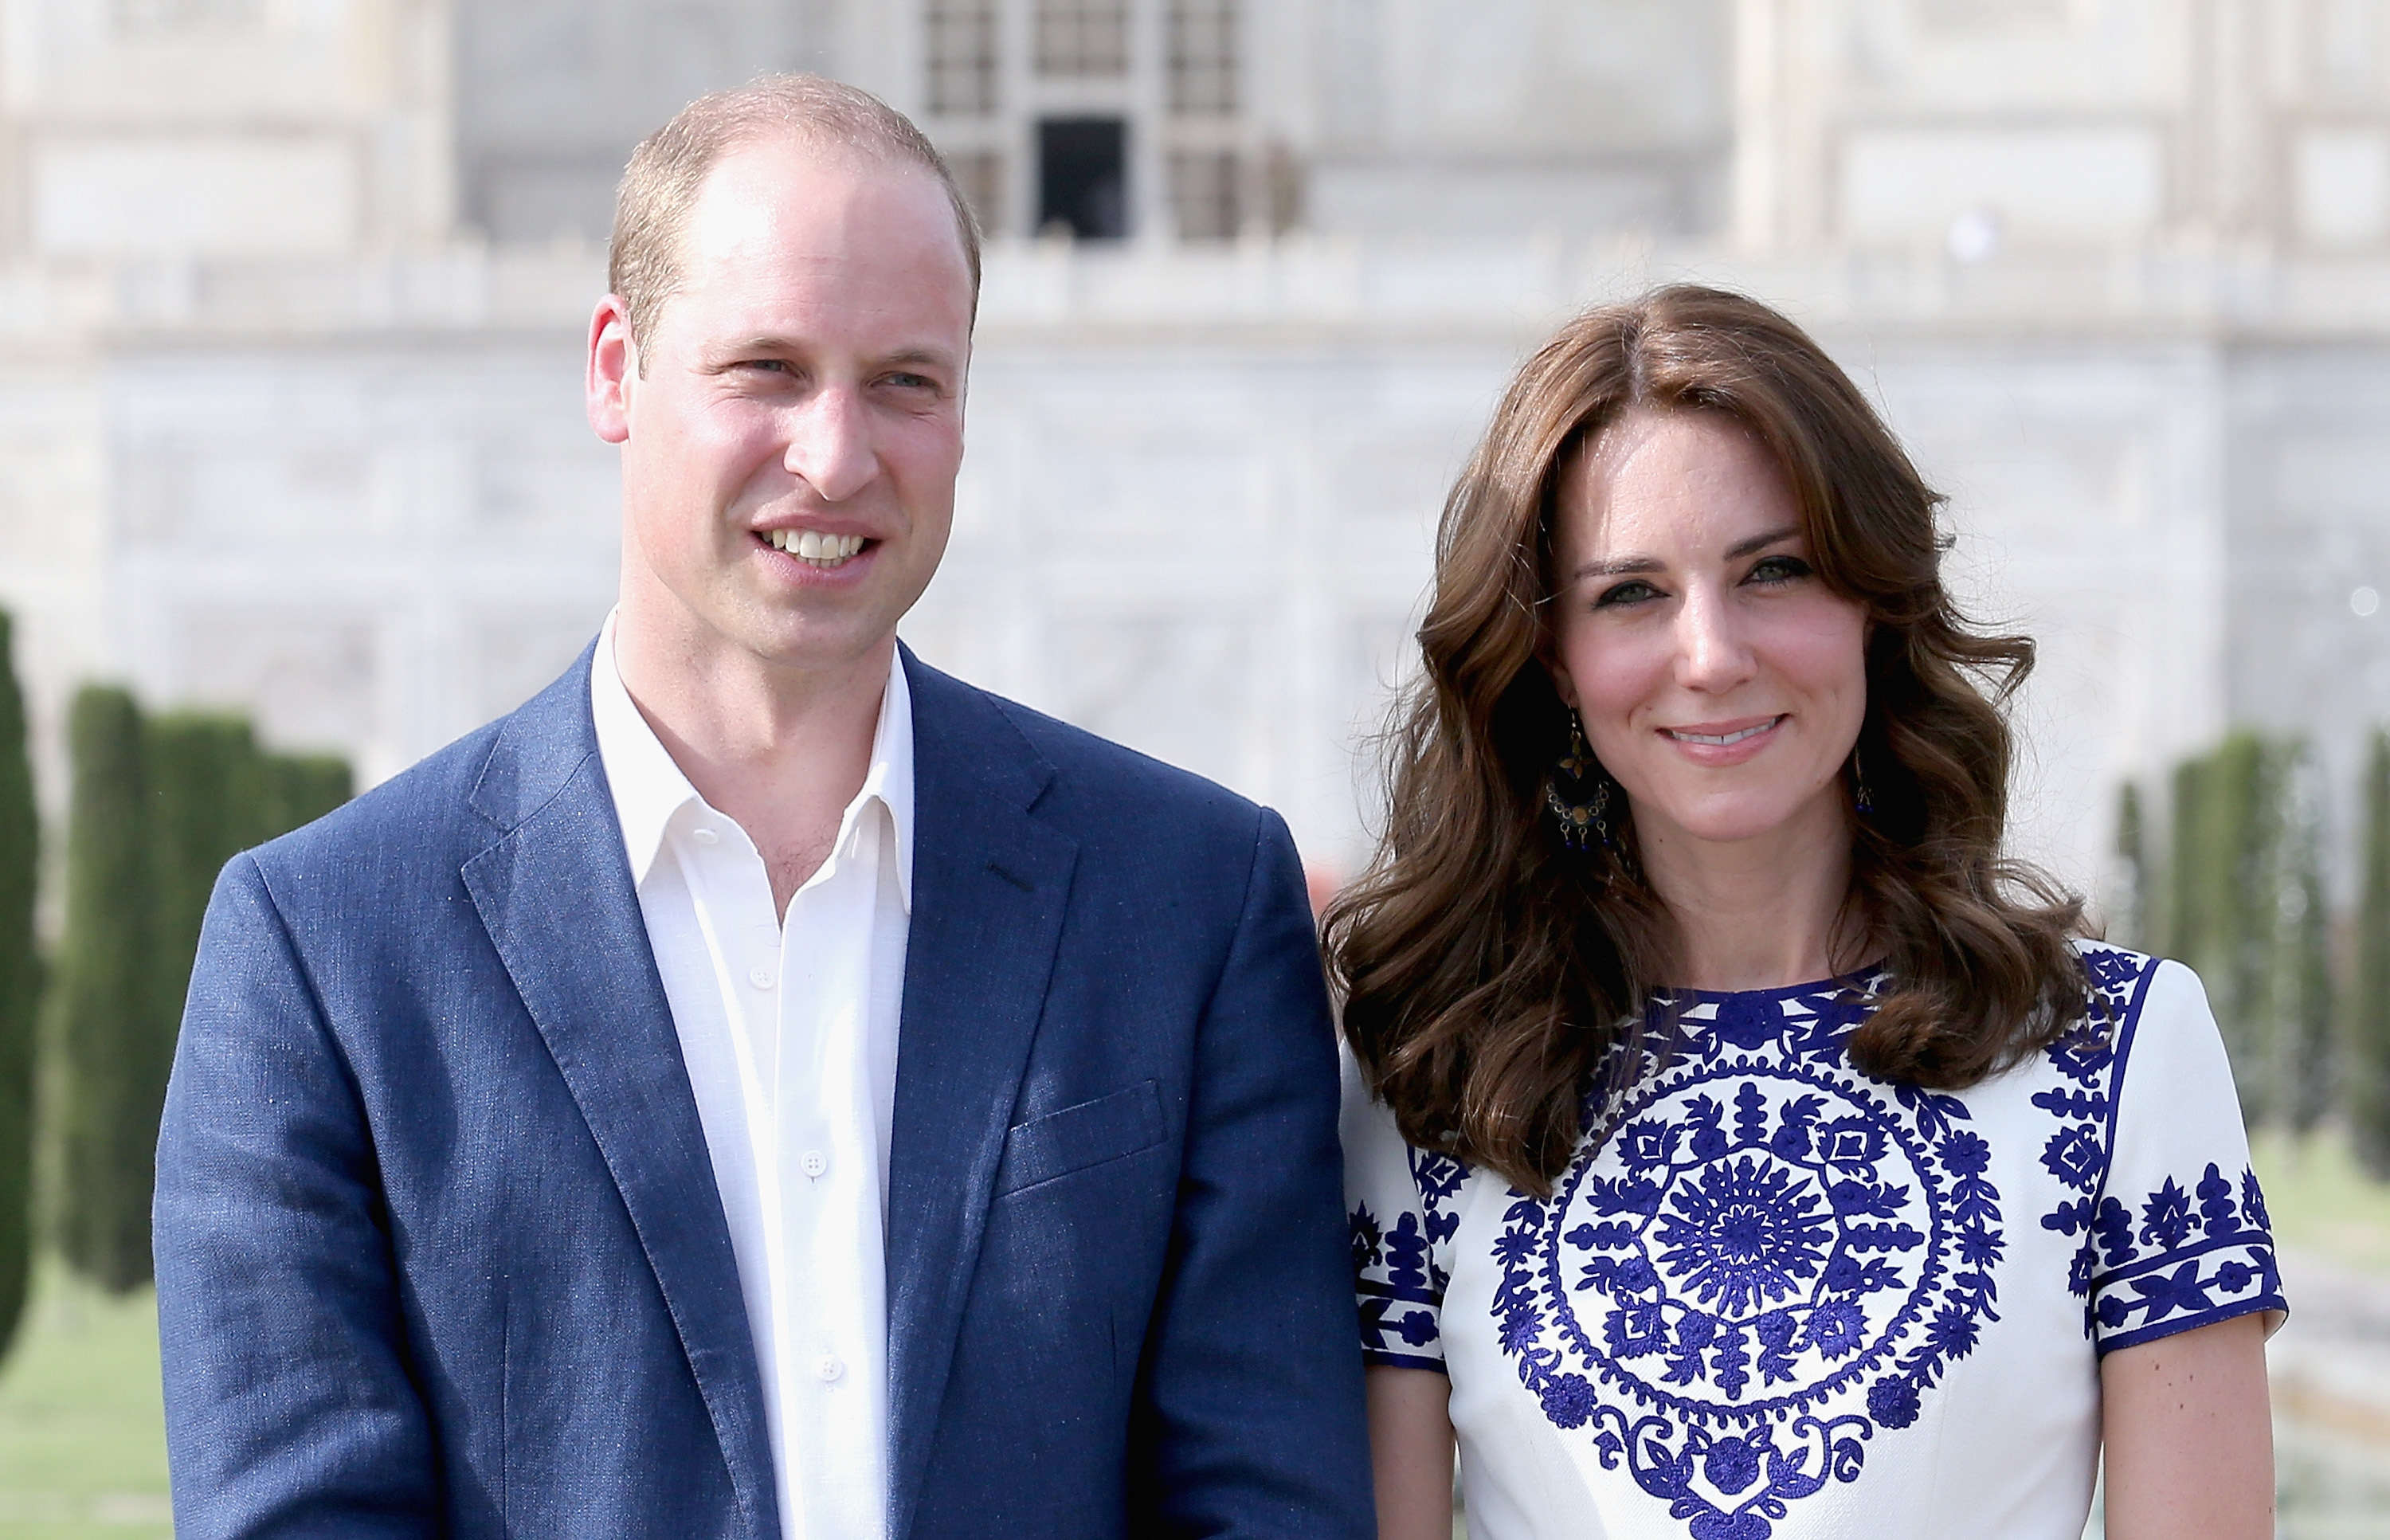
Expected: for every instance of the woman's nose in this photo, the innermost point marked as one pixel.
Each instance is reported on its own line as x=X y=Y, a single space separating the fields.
x=1713 y=655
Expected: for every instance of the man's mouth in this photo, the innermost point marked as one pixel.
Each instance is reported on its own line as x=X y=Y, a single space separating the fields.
x=1722 y=739
x=816 y=548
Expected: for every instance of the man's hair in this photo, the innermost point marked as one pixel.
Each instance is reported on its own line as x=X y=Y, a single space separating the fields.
x=660 y=185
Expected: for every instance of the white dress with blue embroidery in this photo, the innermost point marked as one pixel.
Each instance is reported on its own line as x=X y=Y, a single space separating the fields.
x=1773 y=1296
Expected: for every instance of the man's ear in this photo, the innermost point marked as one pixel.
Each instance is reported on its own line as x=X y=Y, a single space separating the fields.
x=613 y=370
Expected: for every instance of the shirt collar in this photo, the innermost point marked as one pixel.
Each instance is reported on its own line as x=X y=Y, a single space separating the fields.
x=890 y=776
x=650 y=789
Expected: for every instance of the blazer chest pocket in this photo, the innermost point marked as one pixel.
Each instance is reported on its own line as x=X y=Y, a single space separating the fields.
x=1109 y=1128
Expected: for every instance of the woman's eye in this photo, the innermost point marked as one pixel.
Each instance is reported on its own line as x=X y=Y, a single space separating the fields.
x=1778 y=568
x=1633 y=591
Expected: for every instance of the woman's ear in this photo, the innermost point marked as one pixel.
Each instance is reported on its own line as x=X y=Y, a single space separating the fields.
x=1562 y=685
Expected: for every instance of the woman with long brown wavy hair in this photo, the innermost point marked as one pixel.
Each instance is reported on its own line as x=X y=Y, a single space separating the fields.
x=1741 y=1147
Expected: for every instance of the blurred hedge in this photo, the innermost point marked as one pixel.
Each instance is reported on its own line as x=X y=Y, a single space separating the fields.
x=2368 y=1013
x=160 y=806
x=20 y=992
x=2243 y=902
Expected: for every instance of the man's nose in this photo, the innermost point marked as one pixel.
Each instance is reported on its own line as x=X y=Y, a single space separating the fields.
x=1713 y=655
x=830 y=445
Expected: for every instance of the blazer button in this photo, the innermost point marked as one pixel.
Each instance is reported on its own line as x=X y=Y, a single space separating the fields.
x=761 y=978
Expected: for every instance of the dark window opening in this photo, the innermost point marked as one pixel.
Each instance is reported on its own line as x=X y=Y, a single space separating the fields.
x=1083 y=177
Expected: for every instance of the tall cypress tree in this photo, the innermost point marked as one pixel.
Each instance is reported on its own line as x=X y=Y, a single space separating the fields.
x=207 y=789
x=301 y=788
x=2300 y=993
x=2129 y=924
x=159 y=808
x=2187 y=923
x=2222 y=918
x=20 y=992
x=2368 y=1082
x=105 y=1002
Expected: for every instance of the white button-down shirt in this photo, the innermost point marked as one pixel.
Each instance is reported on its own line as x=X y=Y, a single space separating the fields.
x=788 y=1029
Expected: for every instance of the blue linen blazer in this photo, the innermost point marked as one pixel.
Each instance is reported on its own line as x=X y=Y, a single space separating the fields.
x=439 y=1249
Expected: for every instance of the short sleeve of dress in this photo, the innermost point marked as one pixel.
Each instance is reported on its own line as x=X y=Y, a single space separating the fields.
x=1397 y=1271
x=2181 y=1239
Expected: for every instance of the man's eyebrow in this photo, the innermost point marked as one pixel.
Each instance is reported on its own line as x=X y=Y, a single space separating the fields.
x=935 y=357
x=925 y=356
x=759 y=343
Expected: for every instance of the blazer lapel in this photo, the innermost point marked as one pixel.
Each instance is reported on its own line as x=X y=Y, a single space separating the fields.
x=555 y=893
x=989 y=887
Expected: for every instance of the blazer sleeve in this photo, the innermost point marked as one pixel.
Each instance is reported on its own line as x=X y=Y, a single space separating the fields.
x=289 y=1407
x=1252 y=1402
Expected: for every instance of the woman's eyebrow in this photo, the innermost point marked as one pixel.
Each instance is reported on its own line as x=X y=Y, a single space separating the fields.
x=1612 y=566
x=1761 y=542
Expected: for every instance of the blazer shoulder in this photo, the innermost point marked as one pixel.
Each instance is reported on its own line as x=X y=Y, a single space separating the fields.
x=425 y=806
x=1086 y=775
x=457 y=800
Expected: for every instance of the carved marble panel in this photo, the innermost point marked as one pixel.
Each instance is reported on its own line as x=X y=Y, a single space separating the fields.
x=1173 y=686
x=310 y=677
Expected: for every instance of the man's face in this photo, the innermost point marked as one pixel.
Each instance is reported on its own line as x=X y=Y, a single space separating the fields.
x=793 y=424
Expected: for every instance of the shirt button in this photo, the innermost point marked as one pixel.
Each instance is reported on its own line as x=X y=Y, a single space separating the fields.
x=829 y=1368
x=815 y=1162
x=705 y=836
x=761 y=978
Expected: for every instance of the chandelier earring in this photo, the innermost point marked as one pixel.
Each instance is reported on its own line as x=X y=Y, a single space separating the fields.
x=1579 y=793
x=1862 y=799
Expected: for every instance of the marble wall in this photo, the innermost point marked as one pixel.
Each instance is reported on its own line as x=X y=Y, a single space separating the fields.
x=291 y=298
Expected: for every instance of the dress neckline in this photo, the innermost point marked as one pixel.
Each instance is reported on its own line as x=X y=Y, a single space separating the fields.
x=1855 y=978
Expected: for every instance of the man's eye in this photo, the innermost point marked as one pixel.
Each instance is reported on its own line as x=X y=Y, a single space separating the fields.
x=1633 y=591
x=1778 y=568
x=765 y=365
x=912 y=382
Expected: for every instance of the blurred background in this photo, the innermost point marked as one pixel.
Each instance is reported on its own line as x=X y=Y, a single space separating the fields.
x=295 y=485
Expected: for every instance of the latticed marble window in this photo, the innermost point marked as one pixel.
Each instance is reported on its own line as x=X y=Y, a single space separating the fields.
x=1204 y=195
x=1083 y=37
x=1203 y=50
x=962 y=57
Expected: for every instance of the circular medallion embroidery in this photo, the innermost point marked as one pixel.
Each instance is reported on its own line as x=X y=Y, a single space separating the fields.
x=1764 y=1258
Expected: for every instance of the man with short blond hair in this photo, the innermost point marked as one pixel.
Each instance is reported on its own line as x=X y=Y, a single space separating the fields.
x=764 y=1087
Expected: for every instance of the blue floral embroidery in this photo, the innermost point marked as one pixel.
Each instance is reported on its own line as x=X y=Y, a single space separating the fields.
x=1398 y=1281
x=2178 y=1259
x=1781 y=1232
x=2206 y=1262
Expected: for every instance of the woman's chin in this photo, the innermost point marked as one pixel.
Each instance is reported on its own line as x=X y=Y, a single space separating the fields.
x=1745 y=825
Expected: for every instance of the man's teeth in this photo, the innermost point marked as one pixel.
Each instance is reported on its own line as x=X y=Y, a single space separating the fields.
x=822 y=550
x=1721 y=740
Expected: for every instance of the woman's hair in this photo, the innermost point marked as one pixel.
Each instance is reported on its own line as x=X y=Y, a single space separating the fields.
x=1486 y=967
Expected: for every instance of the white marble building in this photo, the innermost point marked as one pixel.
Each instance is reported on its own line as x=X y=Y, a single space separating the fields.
x=291 y=294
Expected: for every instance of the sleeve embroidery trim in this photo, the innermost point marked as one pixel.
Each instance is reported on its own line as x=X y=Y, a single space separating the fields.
x=1398 y=1277
x=2184 y=1263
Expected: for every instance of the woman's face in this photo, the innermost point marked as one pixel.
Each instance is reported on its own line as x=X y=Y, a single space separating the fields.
x=1720 y=681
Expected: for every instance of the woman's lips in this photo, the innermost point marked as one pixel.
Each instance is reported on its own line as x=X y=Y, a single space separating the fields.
x=1722 y=743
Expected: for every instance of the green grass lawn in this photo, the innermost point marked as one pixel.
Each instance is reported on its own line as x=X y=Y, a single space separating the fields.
x=2322 y=1203
x=82 y=1436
